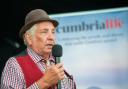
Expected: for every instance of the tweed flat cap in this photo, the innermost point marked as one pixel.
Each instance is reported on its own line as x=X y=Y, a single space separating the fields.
x=33 y=17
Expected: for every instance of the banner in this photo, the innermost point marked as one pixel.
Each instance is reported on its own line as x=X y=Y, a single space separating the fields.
x=95 y=47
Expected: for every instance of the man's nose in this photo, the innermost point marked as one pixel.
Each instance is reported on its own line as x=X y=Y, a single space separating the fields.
x=51 y=35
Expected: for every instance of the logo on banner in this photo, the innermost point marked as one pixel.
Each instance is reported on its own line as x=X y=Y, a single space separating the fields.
x=108 y=24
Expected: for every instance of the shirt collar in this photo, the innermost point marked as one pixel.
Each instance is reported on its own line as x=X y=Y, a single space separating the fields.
x=36 y=57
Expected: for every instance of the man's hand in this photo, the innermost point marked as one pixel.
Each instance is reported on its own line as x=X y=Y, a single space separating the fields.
x=52 y=75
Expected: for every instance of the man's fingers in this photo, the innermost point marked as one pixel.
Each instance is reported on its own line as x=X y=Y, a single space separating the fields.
x=59 y=65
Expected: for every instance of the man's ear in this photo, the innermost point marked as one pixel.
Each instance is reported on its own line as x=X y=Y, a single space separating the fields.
x=28 y=38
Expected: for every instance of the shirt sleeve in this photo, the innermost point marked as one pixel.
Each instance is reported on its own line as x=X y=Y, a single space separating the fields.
x=12 y=76
x=68 y=82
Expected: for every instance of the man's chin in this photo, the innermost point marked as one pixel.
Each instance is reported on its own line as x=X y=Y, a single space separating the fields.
x=49 y=51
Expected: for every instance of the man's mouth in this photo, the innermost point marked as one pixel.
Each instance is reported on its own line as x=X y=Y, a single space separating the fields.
x=49 y=45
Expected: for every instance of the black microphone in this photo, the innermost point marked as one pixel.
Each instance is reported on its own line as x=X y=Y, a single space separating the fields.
x=57 y=53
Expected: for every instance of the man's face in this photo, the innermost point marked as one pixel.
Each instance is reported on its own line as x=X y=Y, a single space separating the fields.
x=44 y=38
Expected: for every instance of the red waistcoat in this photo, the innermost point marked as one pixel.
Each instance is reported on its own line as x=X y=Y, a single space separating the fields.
x=31 y=72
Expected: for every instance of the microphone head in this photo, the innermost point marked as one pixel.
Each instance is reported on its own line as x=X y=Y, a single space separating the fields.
x=57 y=50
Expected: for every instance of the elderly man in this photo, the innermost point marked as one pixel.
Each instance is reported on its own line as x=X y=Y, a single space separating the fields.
x=35 y=67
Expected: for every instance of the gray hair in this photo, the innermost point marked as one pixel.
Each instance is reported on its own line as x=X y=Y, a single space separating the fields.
x=31 y=31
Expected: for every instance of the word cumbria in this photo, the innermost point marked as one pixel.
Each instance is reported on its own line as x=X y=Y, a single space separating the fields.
x=108 y=24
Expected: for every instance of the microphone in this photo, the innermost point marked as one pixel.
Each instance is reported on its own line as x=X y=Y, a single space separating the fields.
x=57 y=53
